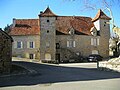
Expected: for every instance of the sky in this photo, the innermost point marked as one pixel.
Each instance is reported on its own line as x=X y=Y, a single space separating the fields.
x=29 y=9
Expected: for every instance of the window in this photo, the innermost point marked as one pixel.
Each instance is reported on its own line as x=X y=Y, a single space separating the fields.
x=94 y=41
x=71 y=32
x=47 y=44
x=31 y=44
x=57 y=46
x=47 y=31
x=31 y=56
x=48 y=21
x=70 y=43
x=19 y=45
x=98 y=33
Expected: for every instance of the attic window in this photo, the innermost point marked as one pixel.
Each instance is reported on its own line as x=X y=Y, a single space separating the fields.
x=48 y=21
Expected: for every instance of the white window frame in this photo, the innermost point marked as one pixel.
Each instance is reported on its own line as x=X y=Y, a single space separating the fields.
x=71 y=43
x=21 y=44
x=95 y=41
x=29 y=44
x=15 y=44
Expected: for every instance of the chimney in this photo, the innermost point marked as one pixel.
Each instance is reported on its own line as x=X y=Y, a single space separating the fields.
x=14 y=22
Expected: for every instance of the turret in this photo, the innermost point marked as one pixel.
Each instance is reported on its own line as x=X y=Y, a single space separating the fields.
x=47 y=35
x=103 y=31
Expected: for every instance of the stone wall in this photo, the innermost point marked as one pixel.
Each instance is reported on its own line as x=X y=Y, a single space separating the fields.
x=25 y=50
x=5 y=52
x=82 y=45
x=47 y=39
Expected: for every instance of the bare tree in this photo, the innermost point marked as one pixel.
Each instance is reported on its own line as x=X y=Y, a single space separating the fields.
x=105 y=5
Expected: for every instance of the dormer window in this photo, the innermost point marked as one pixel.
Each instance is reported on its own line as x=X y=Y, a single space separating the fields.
x=94 y=31
x=71 y=32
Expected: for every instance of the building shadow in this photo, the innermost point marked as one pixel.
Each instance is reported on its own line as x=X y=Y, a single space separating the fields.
x=48 y=74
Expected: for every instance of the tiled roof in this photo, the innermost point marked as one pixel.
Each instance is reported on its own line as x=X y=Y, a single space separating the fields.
x=25 y=27
x=79 y=24
x=101 y=15
x=47 y=12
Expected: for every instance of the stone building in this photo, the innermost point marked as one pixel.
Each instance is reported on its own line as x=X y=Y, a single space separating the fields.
x=26 y=36
x=65 y=37
x=5 y=52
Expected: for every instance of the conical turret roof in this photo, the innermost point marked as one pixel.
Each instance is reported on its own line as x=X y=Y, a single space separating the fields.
x=48 y=13
x=101 y=15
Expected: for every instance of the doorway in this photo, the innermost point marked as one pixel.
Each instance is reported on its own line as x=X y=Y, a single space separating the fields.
x=31 y=56
x=58 y=57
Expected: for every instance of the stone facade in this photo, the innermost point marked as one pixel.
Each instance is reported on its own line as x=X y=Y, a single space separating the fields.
x=73 y=36
x=63 y=37
x=25 y=50
x=26 y=36
x=6 y=52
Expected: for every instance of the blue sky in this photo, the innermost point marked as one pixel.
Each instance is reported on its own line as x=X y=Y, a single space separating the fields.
x=28 y=9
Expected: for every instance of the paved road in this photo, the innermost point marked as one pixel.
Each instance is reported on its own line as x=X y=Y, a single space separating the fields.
x=83 y=76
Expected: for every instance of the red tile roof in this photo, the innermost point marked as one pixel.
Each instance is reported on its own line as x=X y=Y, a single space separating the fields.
x=63 y=25
x=25 y=27
x=79 y=24
x=101 y=15
x=47 y=12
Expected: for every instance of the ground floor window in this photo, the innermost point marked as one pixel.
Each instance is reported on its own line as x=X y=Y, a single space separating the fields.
x=31 y=56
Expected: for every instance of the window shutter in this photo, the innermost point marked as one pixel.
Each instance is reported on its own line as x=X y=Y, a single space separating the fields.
x=67 y=43
x=95 y=42
x=15 y=44
x=33 y=56
x=92 y=41
x=98 y=43
x=33 y=44
x=28 y=44
x=21 y=44
x=73 y=43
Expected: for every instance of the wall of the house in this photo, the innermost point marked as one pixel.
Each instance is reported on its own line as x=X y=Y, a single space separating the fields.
x=25 y=51
x=47 y=39
x=82 y=46
x=104 y=37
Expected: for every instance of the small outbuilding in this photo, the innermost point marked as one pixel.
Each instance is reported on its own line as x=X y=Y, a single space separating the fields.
x=5 y=52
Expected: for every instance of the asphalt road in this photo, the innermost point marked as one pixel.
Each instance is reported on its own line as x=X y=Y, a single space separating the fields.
x=83 y=76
